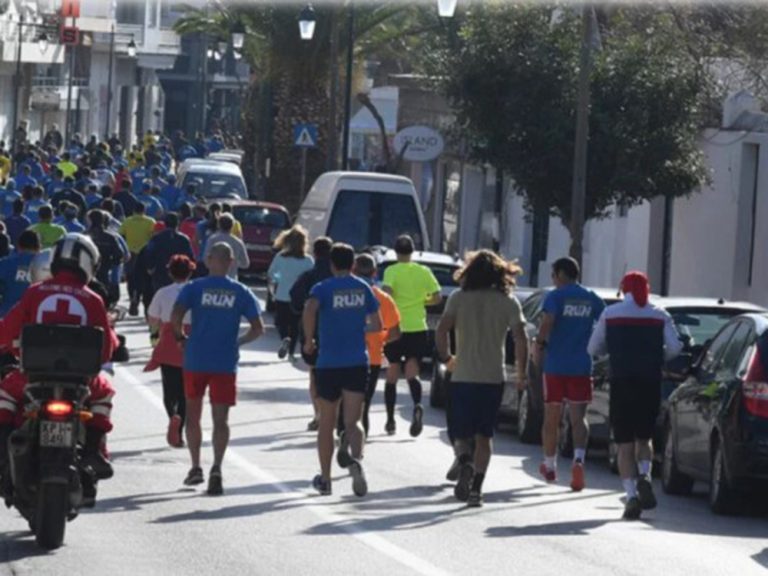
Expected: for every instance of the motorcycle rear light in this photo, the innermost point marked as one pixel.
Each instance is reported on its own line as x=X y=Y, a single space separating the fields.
x=755 y=388
x=58 y=409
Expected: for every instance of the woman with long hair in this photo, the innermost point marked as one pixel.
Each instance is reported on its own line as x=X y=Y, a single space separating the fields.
x=480 y=313
x=291 y=262
x=167 y=354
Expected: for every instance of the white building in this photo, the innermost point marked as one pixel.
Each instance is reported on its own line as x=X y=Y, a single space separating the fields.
x=134 y=99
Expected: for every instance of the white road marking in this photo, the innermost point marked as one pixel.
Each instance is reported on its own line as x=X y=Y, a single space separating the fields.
x=374 y=541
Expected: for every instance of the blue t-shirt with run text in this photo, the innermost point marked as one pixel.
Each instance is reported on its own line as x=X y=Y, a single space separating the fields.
x=216 y=305
x=345 y=303
x=575 y=309
x=15 y=278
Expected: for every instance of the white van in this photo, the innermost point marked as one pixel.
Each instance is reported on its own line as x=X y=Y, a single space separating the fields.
x=363 y=209
x=214 y=179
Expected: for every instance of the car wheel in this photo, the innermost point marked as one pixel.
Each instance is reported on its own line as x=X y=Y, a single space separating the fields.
x=529 y=420
x=722 y=498
x=672 y=480
x=565 y=437
x=437 y=391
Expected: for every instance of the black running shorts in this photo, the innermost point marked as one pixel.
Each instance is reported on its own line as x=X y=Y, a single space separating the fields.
x=634 y=406
x=409 y=345
x=331 y=381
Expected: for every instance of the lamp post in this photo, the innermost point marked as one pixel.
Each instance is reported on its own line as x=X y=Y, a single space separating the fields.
x=446 y=8
x=307 y=23
x=348 y=86
x=131 y=54
x=17 y=84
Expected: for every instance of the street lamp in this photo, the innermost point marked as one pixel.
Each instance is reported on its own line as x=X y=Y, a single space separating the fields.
x=446 y=8
x=132 y=48
x=238 y=37
x=307 y=22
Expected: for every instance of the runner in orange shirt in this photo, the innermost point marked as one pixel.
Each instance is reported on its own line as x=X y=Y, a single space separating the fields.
x=365 y=269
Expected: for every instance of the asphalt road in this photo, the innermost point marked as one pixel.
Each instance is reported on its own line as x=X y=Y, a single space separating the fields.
x=270 y=522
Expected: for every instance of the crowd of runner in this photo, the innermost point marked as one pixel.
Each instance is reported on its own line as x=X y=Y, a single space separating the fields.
x=112 y=214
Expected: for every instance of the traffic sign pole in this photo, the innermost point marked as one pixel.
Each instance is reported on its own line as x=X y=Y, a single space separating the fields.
x=303 y=172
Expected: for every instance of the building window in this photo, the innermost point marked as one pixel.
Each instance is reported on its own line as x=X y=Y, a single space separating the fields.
x=130 y=12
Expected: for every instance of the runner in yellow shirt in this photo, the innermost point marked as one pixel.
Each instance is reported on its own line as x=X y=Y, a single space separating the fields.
x=237 y=228
x=48 y=232
x=5 y=167
x=67 y=167
x=137 y=231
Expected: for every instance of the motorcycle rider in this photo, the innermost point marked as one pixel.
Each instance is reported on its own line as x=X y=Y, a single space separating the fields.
x=62 y=299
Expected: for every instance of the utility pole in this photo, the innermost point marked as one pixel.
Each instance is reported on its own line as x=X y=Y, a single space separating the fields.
x=333 y=135
x=348 y=83
x=70 y=82
x=16 y=87
x=107 y=123
x=578 y=198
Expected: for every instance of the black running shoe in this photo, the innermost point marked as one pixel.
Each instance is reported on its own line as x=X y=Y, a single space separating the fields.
x=133 y=310
x=645 y=493
x=343 y=458
x=215 y=483
x=390 y=428
x=461 y=490
x=633 y=509
x=453 y=472
x=194 y=477
x=359 y=483
x=417 y=423
x=322 y=486
x=313 y=425
x=283 y=351
x=475 y=499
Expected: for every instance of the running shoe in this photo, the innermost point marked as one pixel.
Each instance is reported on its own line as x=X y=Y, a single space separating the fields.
x=359 y=483
x=577 y=477
x=462 y=488
x=313 y=425
x=174 y=432
x=343 y=458
x=322 y=486
x=550 y=476
x=453 y=472
x=632 y=509
x=417 y=423
x=215 y=484
x=645 y=493
x=194 y=477
x=475 y=499
x=390 y=428
x=283 y=351
x=133 y=309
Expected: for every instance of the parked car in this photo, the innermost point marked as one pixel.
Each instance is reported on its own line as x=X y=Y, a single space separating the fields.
x=215 y=180
x=697 y=320
x=232 y=156
x=363 y=209
x=261 y=222
x=716 y=427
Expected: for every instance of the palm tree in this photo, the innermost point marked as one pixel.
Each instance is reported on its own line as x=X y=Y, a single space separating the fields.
x=290 y=80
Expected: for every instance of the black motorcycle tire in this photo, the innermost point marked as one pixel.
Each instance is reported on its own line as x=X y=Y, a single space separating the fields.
x=51 y=514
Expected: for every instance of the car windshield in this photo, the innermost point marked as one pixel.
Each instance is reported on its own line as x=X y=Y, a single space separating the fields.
x=365 y=219
x=260 y=216
x=211 y=185
x=700 y=324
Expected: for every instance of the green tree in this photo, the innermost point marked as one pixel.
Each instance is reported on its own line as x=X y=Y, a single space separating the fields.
x=510 y=71
x=291 y=79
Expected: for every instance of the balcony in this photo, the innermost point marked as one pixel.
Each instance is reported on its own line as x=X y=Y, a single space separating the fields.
x=31 y=53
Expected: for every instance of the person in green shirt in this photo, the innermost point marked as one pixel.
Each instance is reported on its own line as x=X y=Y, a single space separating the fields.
x=48 y=232
x=67 y=167
x=413 y=287
x=137 y=230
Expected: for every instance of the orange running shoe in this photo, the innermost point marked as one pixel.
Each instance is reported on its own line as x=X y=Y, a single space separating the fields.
x=577 y=477
x=550 y=476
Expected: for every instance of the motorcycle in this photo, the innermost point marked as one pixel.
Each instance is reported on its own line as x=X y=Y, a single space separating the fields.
x=47 y=472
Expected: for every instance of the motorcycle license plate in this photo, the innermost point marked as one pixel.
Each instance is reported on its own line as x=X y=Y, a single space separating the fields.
x=56 y=434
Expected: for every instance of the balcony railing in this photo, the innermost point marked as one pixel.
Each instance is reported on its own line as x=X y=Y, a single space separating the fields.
x=55 y=81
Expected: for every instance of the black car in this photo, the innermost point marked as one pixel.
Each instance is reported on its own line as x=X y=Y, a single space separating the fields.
x=716 y=427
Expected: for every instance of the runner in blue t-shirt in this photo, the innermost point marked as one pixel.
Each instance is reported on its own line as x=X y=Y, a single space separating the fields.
x=15 y=276
x=211 y=354
x=347 y=308
x=570 y=313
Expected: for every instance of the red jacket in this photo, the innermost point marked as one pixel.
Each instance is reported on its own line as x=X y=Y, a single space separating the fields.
x=63 y=299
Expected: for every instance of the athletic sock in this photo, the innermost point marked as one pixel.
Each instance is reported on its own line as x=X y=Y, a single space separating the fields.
x=549 y=462
x=579 y=455
x=644 y=467
x=477 y=481
x=390 y=399
x=415 y=385
x=629 y=487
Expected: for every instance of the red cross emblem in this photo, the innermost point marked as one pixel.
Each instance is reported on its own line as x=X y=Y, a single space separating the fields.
x=62 y=309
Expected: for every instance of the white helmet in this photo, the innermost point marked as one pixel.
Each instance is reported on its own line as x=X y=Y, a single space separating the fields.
x=40 y=267
x=76 y=252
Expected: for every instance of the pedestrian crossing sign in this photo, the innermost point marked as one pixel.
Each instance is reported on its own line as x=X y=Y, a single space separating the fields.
x=305 y=135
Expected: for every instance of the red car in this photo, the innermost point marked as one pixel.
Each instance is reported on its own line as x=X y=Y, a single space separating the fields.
x=262 y=222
